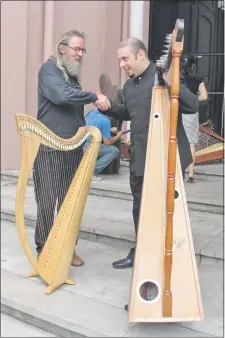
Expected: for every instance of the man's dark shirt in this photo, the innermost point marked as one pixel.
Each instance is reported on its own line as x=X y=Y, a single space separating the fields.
x=61 y=102
x=136 y=108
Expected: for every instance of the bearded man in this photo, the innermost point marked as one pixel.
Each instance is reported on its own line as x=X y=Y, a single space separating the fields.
x=60 y=108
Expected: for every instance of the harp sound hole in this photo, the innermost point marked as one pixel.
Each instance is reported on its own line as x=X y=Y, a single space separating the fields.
x=156 y=116
x=176 y=194
x=149 y=291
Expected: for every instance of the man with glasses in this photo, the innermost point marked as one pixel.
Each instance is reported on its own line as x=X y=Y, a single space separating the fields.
x=61 y=103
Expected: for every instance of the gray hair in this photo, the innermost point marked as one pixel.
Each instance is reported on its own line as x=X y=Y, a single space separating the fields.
x=64 y=40
x=135 y=45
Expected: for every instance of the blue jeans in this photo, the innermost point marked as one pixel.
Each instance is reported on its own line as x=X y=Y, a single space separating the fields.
x=105 y=156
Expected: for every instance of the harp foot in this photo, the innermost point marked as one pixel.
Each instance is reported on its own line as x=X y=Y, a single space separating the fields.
x=167 y=305
x=32 y=274
x=51 y=288
x=70 y=281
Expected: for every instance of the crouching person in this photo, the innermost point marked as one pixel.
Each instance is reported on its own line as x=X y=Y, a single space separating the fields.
x=107 y=152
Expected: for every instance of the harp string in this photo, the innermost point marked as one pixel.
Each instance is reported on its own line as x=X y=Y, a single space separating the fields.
x=206 y=140
x=53 y=174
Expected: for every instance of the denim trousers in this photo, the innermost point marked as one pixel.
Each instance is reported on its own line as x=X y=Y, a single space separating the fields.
x=105 y=156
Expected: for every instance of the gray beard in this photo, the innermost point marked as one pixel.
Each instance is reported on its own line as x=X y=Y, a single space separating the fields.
x=73 y=69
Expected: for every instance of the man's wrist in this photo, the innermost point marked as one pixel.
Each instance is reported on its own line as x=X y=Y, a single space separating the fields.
x=95 y=97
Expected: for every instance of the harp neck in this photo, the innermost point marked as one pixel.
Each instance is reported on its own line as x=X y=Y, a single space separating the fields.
x=31 y=128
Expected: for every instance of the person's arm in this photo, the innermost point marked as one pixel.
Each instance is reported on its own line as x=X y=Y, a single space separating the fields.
x=59 y=91
x=202 y=92
x=106 y=132
x=114 y=110
x=111 y=140
x=117 y=111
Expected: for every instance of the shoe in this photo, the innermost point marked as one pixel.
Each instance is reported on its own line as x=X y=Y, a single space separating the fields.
x=191 y=179
x=76 y=260
x=126 y=307
x=123 y=263
x=96 y=178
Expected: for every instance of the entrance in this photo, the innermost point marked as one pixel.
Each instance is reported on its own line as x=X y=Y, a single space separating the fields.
x=204 y=37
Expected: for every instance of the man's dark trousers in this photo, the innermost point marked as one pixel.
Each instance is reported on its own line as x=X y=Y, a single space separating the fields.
x=136 y=183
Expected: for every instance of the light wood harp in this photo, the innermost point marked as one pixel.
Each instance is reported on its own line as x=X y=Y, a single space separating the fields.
x=165 y=285
x=54 y=261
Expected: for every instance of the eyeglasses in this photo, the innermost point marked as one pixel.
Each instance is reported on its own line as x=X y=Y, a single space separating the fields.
x=76 y=49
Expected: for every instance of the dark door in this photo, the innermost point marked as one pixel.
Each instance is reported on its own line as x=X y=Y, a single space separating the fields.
x=203 y=36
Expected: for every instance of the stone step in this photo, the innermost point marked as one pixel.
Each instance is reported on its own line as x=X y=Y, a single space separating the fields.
x=204 y=195
x=213 y=171
x=109 y=221
x=94 y=306
x=11 y=327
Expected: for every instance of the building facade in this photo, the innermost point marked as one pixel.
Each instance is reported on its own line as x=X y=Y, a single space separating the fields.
x=29 y=31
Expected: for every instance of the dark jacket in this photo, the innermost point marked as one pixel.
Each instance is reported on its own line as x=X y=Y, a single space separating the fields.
x=60 y=101
x=136 y=108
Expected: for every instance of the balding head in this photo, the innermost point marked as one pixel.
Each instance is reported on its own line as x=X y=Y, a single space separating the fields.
x=134 y=44
x=133 y=56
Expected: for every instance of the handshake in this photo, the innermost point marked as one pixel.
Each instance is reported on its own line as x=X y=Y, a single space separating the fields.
x=103 y=102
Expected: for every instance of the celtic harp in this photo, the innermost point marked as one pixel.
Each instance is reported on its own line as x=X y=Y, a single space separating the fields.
x=165 y=285
x=65 y=194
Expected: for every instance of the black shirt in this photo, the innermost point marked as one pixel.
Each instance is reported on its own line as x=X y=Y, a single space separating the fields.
x=137 y=94
x=193 y=82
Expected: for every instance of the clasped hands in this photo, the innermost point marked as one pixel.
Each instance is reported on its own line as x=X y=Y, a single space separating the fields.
x=103 y=102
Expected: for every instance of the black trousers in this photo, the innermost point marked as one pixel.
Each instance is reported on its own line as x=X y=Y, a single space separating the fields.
x=52 y=173
x=136 y=184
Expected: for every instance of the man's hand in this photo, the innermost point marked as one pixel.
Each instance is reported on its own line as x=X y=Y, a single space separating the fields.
x=103 y=102
x=114 y=130
x=119 y=134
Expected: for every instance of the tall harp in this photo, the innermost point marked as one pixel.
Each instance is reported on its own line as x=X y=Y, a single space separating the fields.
x=165 y=285
x=39 y=146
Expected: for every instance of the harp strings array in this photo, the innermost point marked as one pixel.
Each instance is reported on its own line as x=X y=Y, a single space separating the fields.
x=53 y=172
x=208 y=138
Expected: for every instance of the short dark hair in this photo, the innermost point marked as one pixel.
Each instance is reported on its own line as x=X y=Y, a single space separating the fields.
x=135 y=44
x=188 y=60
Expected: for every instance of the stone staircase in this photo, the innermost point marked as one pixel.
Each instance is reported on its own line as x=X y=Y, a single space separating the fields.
x=106 y=234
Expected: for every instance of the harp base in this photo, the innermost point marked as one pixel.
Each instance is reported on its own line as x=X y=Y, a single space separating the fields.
x=33 y=273
x=166 y=319
x=51 y=288
x=167 y=305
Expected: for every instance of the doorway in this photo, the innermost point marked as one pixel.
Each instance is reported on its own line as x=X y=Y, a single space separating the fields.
x=204 y=37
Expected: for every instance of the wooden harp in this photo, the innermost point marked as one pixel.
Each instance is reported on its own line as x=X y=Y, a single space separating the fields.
x=210 y=146
x=165 y=285
x=55 y=258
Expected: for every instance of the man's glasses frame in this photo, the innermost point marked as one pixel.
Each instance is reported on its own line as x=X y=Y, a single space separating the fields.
x=76 y=49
